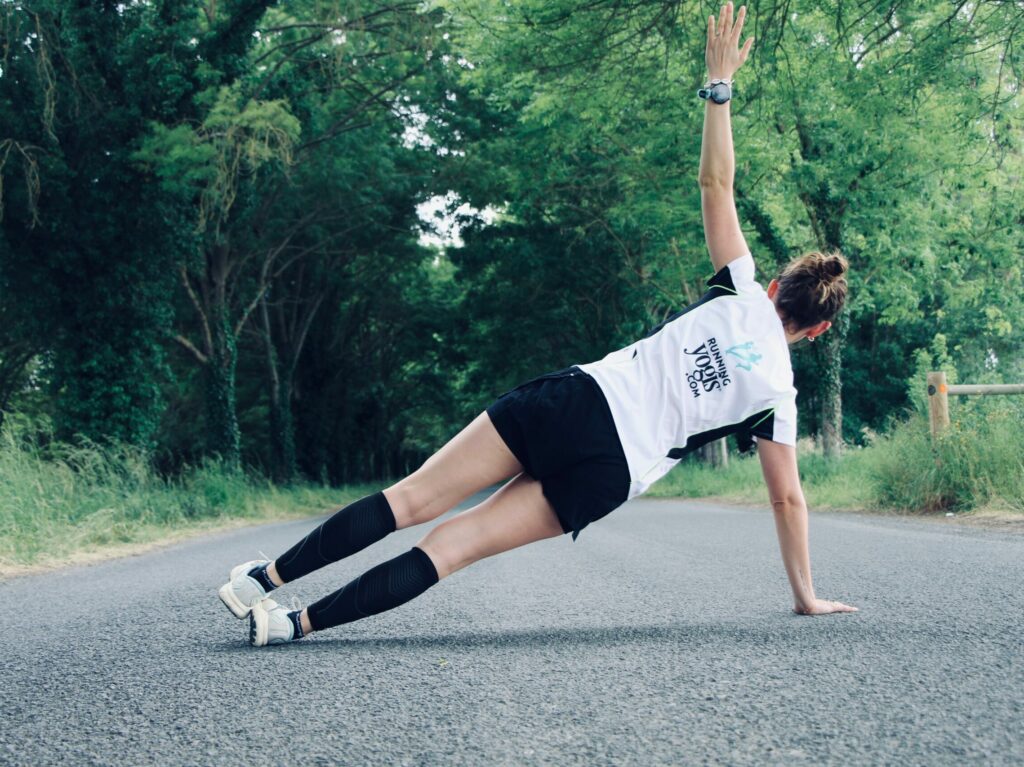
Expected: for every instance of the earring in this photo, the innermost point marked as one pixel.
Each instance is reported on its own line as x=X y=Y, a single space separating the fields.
x=810 y=339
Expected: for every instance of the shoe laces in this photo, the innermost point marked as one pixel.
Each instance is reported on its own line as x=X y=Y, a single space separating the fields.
x=269 y=603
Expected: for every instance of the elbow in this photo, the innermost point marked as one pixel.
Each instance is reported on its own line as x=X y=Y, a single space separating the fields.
x=789 y=504
x=714 y=184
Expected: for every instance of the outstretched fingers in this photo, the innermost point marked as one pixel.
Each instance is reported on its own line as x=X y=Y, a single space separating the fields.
x=723 y=54
x=734 y=37
x=839 y=607
x=746 y=50
x=824 y=607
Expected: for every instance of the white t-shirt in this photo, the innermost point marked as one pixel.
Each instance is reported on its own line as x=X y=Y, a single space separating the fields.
x=718 y=366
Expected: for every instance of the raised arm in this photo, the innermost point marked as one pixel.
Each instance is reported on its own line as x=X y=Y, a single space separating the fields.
x=778 y=463
x=717 y=162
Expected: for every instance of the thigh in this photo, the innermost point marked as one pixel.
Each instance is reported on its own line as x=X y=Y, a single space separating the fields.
x=475 y=458
x=513 y=516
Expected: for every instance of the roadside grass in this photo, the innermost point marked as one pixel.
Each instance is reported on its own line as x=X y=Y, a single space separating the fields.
x=826 y=484
x=976 y=464
x=60 y=503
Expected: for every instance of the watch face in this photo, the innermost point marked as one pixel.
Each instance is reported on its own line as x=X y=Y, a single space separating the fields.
x=720 y=93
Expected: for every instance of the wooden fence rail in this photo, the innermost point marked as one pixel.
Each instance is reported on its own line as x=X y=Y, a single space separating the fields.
x=939 y=391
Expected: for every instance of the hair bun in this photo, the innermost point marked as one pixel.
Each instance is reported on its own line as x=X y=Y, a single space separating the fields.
x=832 y=266
x=812 y=289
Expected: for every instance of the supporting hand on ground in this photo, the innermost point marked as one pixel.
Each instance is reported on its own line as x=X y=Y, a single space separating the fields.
x=823 y=607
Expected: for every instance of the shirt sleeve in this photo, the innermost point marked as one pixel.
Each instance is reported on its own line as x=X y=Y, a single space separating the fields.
x=737 y=276
x=780 y=425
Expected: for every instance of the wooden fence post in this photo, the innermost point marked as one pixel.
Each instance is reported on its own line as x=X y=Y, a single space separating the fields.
x=938 y=402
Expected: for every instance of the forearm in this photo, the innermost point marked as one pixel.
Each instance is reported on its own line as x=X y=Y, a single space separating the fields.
x=791 y=526
x=717 y=161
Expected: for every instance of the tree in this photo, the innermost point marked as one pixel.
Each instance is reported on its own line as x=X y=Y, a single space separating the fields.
x=845 y=110
x=88 y=244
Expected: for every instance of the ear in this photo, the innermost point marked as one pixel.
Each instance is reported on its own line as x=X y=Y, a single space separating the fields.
x=818 y=329
x=773 y=288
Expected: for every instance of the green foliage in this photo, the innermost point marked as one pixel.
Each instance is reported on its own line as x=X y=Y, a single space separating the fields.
x=237 y=137
x=826 y=482
x=915 y=184
x=968 y=467
x=57 y=500
x=89 y=276
x=208 y=241
x=904 y=470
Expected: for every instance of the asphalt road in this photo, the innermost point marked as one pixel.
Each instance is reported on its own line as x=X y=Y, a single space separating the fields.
x=662 y=636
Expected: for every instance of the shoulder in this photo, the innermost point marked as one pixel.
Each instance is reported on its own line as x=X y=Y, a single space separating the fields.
x=779 y=424
x=737 y=276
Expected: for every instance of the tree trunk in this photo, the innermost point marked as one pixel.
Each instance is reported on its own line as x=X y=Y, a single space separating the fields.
x=283 y=466
x=282 y=427
x=289 y=462
x=716 y=453
x=222 y=432
x=829 y=351
x=826 y=211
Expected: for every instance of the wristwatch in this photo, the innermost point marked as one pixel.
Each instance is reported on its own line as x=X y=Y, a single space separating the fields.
x=718 y=91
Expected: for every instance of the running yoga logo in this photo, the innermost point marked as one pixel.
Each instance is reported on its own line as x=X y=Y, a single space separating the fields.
x=746 y=354
x=710 y=371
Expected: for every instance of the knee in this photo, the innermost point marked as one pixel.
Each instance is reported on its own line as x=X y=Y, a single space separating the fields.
x=411 y=502
x=446 y=551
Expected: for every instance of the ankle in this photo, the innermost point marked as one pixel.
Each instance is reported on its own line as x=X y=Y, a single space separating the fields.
x=307 y=627
x=272 y=574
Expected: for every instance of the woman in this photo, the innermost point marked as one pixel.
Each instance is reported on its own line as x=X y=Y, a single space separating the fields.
x=577 y=443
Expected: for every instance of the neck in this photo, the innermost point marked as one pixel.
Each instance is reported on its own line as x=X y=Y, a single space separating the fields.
x=791 y=338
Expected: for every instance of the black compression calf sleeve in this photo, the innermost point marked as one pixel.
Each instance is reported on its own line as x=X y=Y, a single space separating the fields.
x=351 y=529
x=387 y=585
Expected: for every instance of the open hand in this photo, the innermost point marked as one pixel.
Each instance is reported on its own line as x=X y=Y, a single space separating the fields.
x=723 y=54
x=823 y=607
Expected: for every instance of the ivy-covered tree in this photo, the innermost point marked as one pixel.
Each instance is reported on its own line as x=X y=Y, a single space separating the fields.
x=89 y=245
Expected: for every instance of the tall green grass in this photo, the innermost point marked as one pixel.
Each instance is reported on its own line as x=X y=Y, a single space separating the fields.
x=976 y=463
x=58 y=500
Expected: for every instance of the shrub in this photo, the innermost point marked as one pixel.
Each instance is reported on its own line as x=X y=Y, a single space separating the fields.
x=975 y=463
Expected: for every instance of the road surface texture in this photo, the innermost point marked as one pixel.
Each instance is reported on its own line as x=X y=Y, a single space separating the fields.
x=664 y=635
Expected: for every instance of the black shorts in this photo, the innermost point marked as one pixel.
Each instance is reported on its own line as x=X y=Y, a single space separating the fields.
x=560 y=428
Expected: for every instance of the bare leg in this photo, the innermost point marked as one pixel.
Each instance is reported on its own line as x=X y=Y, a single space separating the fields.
x=513 y=516
x=475 y=458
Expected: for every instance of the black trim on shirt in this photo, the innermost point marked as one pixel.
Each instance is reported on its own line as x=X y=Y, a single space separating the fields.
x=760 y=424
x=719 y=285
x=722 y=279
x=765 y=429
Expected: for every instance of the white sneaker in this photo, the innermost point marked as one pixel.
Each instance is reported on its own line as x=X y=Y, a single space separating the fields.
x=242 y=590
x=269 y=624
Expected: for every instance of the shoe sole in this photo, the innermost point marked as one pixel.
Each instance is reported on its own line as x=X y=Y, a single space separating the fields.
x=257 y=632
x=233 y=603
x=227 y=594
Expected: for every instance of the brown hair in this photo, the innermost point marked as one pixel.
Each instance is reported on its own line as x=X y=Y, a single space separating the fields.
x=812 y=289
